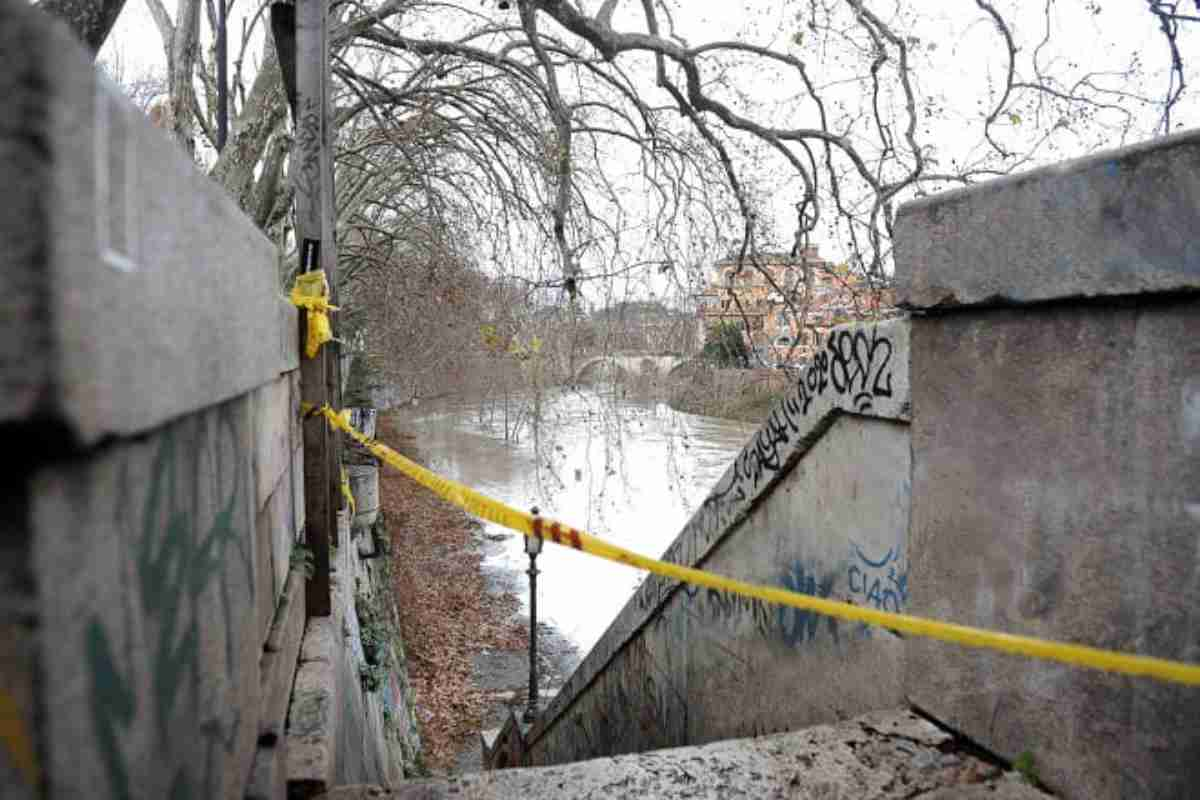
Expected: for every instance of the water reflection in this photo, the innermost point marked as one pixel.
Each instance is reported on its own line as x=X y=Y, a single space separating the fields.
x=629 y=470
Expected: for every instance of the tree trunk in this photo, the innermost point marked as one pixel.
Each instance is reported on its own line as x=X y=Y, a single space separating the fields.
x=91 y=20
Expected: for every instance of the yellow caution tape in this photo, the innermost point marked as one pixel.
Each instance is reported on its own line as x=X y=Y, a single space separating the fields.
x=346 y=493
x=494 y=511
x=311 y=292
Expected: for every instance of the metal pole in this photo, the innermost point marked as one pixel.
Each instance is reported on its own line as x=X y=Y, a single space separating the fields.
x=531 y=709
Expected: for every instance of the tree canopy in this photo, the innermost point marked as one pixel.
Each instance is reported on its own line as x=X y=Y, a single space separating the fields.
x=582 y=145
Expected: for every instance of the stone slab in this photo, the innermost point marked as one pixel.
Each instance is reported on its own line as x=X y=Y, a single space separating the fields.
x=141 y=290
x=145 y=558
x=888 y=755
x=862 y=371
x=280 y=658
x=1120 y=222
x=313 y=714
x=1056 y=493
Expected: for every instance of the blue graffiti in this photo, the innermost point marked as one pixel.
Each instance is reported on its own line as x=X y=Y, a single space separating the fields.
x=881 y=583
x=796 y=625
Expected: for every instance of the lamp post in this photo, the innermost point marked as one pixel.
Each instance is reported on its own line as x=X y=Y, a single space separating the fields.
x=533 y=546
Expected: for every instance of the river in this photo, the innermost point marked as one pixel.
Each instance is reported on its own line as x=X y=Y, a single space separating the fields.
x=629 y=470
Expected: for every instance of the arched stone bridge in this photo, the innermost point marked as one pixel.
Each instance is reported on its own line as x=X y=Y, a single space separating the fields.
x=630 y=363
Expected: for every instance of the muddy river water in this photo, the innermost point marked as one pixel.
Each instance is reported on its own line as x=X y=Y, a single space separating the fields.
x=628 y=470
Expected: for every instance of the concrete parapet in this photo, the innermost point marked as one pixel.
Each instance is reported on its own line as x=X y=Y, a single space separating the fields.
x=1056 y=458
x=134 y=290
x=1056 y=493
x=149 y=603
x=673 y=666
x=144 y=558
x=1121 y=222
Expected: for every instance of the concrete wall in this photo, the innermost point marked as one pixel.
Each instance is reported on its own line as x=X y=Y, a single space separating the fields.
x=1056 y=459
x=151 y=607
x=817 y=501
x=158 y=566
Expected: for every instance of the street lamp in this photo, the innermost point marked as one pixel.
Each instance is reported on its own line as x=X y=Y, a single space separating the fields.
x=533 y=546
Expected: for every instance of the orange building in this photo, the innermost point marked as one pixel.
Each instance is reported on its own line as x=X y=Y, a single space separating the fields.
x=838 y=296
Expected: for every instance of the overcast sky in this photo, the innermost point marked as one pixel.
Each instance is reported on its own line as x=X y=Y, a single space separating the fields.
x=959 y=64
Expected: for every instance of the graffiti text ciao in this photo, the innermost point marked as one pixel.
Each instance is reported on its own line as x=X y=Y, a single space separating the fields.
x=880 y=583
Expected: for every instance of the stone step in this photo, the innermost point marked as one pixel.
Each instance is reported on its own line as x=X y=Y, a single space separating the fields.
x=881 y=755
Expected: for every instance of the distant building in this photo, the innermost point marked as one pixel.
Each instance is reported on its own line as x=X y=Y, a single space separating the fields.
x=838 y=296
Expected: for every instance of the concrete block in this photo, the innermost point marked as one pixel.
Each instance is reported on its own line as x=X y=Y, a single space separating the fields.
x=268 y=777
x=312 y=729
x=365 y=543
x=862 y=373
x=364 y=485
x=363 y=419
x=1118 y=222
x=145 y=556
x=272 y=434
x=1056 y=493
x=140 y=290
x=281 y=656
x=320 y=640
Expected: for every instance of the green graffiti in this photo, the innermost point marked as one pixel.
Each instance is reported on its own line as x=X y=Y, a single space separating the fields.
x=176 y=562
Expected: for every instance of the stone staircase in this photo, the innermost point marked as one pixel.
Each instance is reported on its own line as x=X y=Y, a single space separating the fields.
x=876 y=756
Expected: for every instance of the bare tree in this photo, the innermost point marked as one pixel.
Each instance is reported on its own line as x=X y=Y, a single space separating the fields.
x=573 y=144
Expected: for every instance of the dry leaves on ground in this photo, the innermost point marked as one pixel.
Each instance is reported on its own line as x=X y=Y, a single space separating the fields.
x=446 y=613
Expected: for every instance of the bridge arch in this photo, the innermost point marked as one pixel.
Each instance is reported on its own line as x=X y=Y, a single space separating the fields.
x=630 y=363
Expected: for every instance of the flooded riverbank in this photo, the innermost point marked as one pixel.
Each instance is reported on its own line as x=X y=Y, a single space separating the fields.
x=626 y=469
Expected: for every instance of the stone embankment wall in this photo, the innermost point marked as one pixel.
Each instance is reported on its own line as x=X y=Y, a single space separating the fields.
x=152 y=571
x=745 y=394
x=1039 y=477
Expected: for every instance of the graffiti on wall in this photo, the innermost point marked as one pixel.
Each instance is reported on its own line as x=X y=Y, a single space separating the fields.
x=855 y=363
x=853 y=372
x=792 y=626
x=184 y=555
x=797 y=626
x=881 y=583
